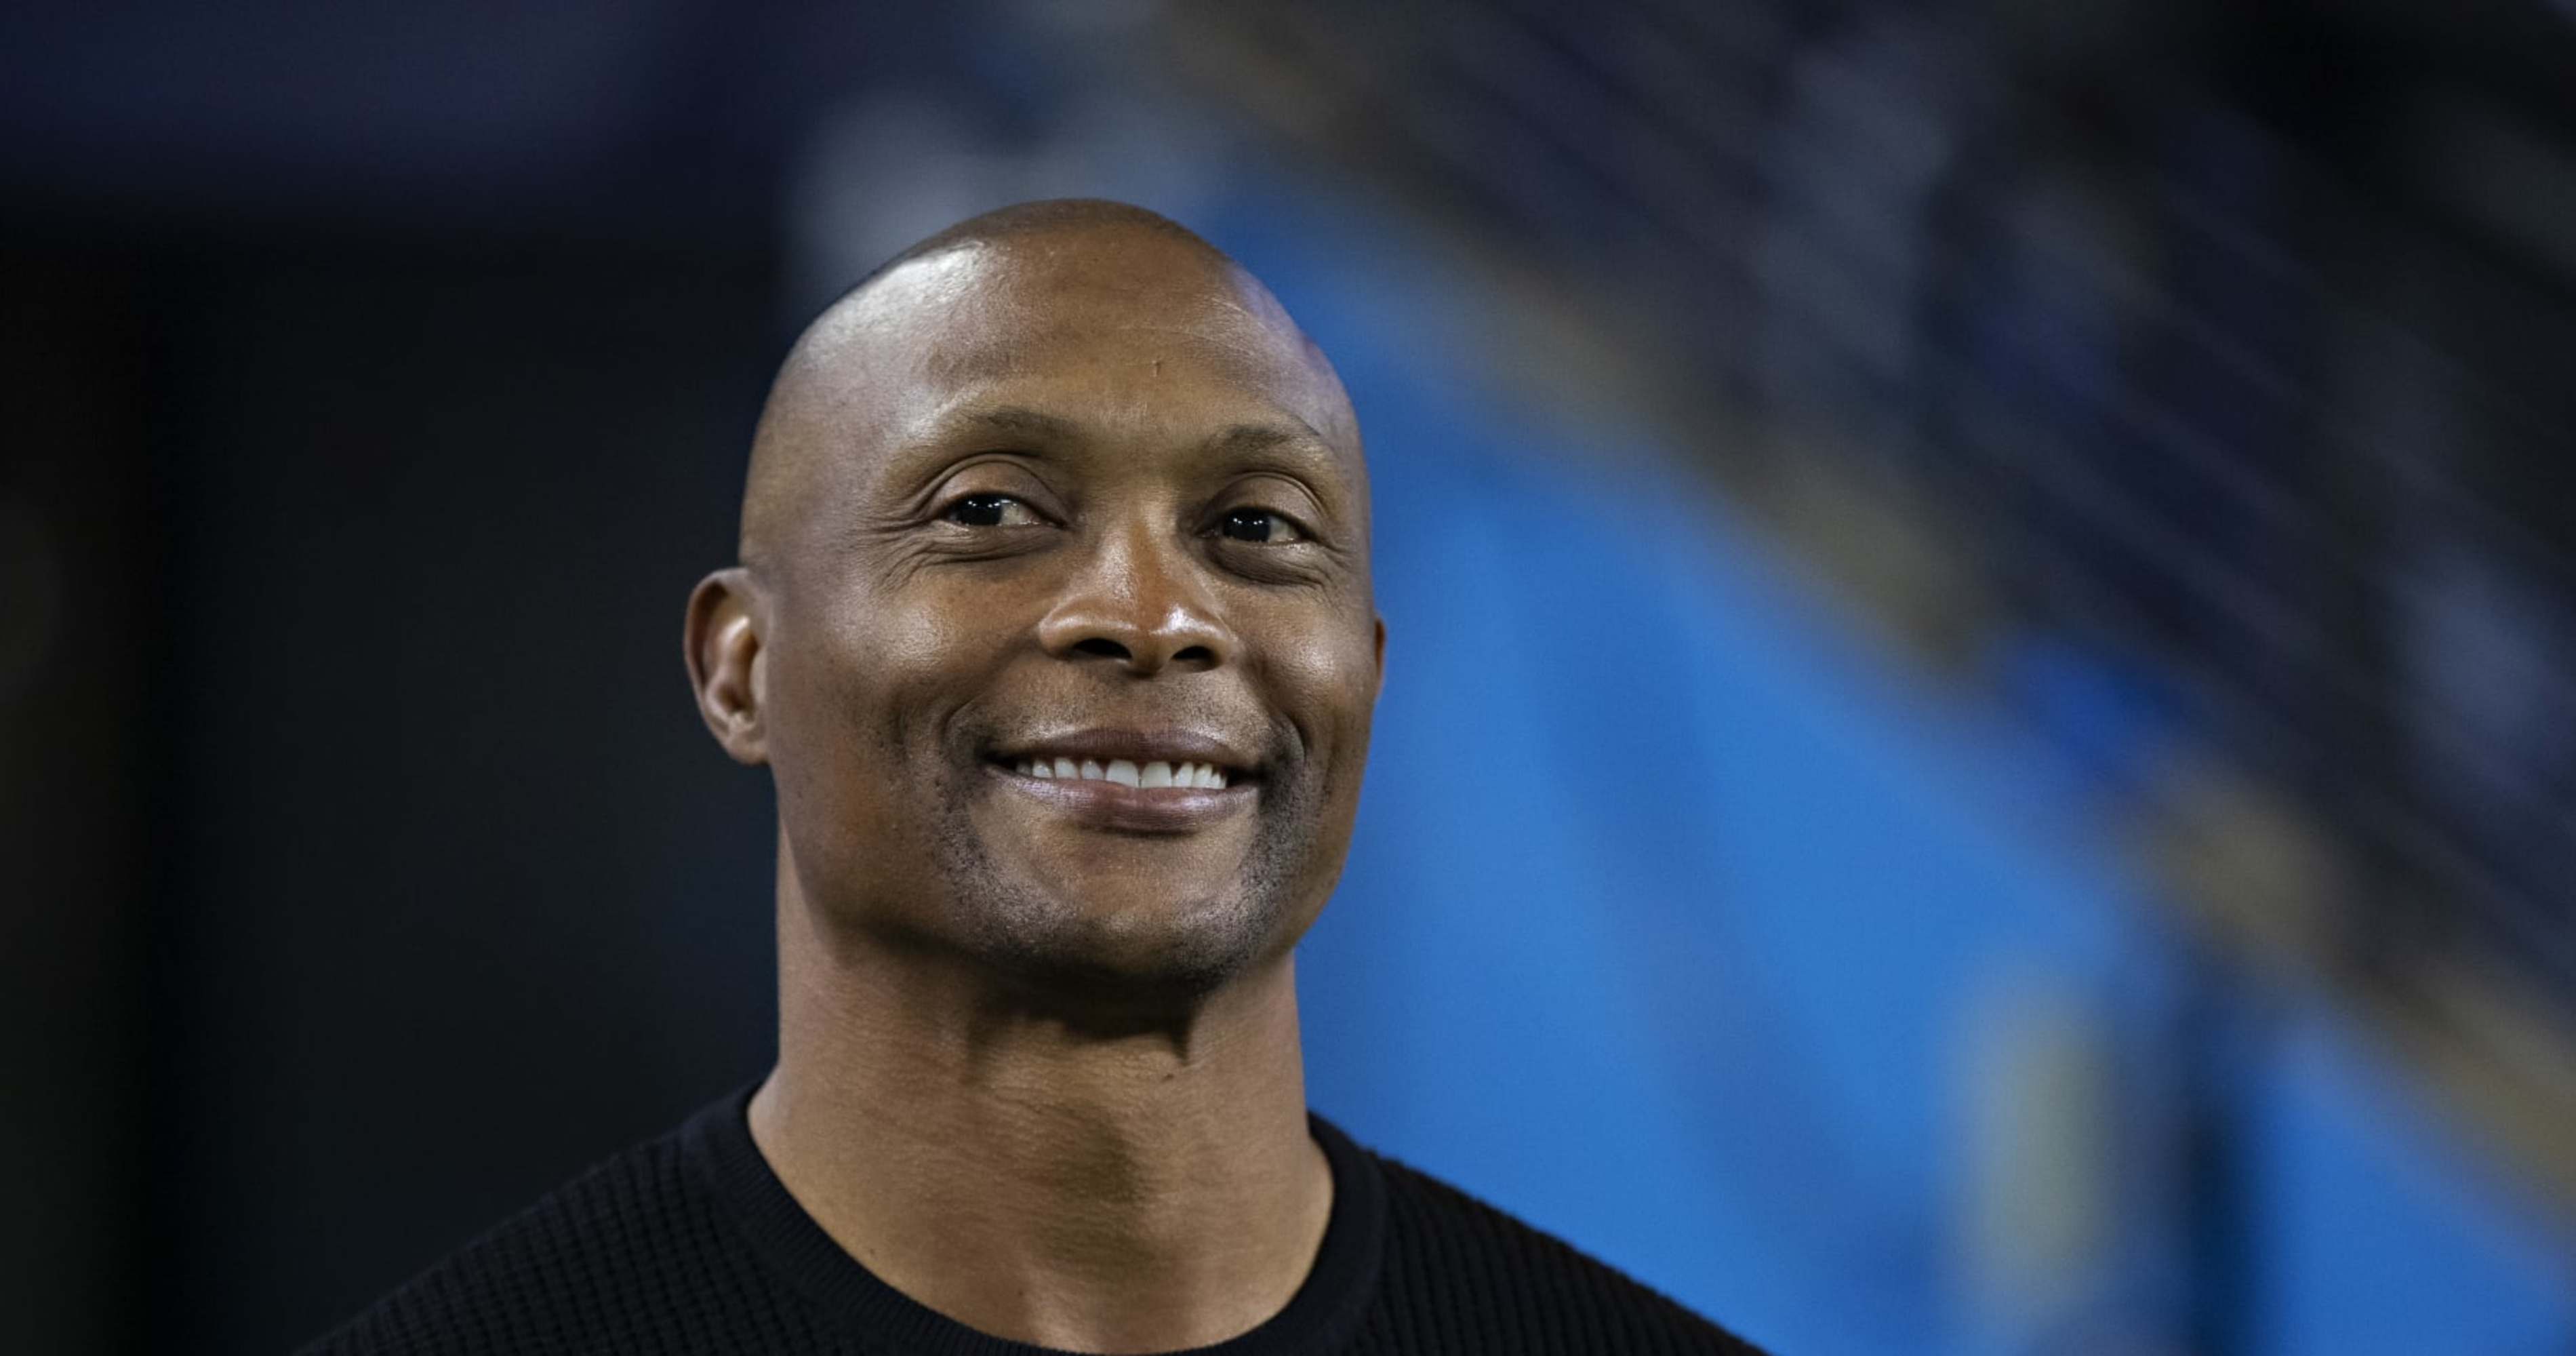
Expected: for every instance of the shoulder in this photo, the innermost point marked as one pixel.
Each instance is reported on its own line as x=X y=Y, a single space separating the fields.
x=631 y=1256
x=1453 y=1259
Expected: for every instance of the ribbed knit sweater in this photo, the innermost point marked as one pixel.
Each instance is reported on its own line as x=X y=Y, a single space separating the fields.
x=690 y=1244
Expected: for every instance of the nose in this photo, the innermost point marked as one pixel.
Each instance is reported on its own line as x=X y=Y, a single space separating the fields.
x=1142 y=601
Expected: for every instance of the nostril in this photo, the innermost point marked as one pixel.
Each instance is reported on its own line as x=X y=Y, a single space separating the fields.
x=1195 y=654
x=1106 y=648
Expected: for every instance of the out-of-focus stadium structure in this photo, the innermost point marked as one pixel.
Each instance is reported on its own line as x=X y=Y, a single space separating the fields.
x=2199 y=379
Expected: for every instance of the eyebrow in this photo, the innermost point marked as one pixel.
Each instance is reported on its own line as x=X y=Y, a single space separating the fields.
x=1237 y=440
x=1246 y=440
x=1018 y=419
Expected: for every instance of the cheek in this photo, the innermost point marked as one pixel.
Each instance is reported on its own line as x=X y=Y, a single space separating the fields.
x=1330 y=677
x=824 y=756
x=917 y=684
x=843 y=688
x=864 y=701
x=902 y=639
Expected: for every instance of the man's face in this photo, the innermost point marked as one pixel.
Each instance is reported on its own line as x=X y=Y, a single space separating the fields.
x=1071 y=650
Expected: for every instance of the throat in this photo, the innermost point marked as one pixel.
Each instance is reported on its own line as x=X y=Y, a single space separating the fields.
x=1054 y=1184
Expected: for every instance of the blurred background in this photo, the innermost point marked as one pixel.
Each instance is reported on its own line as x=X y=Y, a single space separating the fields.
x=1979 y=753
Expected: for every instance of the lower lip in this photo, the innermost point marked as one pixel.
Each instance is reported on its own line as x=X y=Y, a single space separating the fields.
x=1133 y=809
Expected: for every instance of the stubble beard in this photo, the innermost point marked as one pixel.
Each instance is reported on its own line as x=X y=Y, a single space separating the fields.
x=1058 y=946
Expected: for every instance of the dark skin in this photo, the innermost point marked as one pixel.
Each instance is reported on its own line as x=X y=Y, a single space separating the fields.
x=1080 y=494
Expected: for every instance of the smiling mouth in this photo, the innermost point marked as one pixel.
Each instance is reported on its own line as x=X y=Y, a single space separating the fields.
x=1150 y=775
x=1154 y=797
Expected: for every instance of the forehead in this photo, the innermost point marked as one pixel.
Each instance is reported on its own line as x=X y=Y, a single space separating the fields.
x=1128 y=324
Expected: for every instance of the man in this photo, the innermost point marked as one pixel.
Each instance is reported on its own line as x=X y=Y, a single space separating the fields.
x=1054 y=627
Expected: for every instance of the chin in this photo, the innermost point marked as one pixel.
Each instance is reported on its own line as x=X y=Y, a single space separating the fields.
x=1084 y=949
x=1090 y=918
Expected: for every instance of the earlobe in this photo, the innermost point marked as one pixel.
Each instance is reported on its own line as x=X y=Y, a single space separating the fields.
x=726 y=665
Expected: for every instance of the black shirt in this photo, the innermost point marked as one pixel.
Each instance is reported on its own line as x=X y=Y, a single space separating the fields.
x=690 y=1244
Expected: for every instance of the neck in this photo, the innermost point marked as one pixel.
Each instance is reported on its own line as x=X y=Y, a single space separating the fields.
x=1042 y=1175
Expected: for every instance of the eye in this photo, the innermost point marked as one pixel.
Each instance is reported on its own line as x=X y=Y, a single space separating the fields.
x=1259 y=525
x=991 y=510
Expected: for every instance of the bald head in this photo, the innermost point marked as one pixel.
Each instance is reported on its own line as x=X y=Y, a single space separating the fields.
x=1030 y=220
x=950 y=312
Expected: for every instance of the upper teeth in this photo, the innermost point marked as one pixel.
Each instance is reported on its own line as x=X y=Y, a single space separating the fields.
x=1198 y=776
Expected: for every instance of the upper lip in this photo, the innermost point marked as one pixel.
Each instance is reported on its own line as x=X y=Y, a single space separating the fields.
x=1136 y=744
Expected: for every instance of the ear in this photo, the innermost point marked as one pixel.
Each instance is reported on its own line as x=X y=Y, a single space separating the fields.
x=726 y=665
